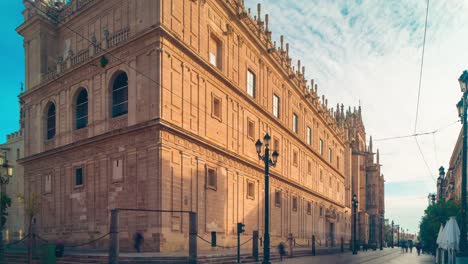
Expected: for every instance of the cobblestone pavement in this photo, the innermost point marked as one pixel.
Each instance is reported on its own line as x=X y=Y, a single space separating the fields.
x=388 y=255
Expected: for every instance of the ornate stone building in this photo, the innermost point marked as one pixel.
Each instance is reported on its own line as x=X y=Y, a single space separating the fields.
x=157 y=104
x=367 y=182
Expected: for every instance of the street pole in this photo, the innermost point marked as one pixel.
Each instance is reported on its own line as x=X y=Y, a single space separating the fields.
x=381 y=232
x=266 y=247
x=5 y=175
x=268 y=162
x=354 y=223
x=463 y=241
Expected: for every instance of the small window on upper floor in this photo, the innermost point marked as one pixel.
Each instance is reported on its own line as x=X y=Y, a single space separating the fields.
x=211 y=179
x=338 y=162
x=321 y=147
x=276 y=144
x=79 y=177
x=309 y=167
x=330 y=155
x=295 y=158
x=321 y=176
x=295 y=123
x=48 y=184
x=50 y=121
x=294 y=203
x=309 y=136
x=251 y=84
x=276 y=106
x=278 y=198
x=215 y=51
x=18 y=154
x=250 y=190
x=120 y=95
x=321 y=211
x=250 y=129
x=216 y=107
x=81 y=109
x=309 y=208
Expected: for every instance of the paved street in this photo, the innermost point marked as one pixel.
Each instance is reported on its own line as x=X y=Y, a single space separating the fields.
x=391 y=256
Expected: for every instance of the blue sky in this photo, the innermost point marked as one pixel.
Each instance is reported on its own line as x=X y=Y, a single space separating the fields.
x=357 y=51
x=369 y=52
x=12 y=66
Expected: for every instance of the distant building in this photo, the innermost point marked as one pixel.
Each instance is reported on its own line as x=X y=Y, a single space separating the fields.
x=13 y=150
x=449 y=183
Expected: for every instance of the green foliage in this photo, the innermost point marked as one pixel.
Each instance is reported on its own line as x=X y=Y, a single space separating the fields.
x=5 y=203
x=434 y=216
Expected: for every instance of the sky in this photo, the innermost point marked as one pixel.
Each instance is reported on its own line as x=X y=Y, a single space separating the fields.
x=369 y=53
x=365 y=52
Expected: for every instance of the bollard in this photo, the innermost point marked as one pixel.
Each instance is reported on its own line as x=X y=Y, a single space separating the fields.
x=193 y=231
x=213 y=239
x=255 y=245
x=313 y=245
x=342 y=244
x=290 y=242
x=114 y=237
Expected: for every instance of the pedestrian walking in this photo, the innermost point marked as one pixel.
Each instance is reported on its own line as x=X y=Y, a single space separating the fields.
x=411 y=247
x=418 y=248
x=281 y=250
x=138 y=238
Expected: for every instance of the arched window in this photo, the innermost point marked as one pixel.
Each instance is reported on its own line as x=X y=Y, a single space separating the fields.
x=81 y=109
x=50 y=121
x=120 y=95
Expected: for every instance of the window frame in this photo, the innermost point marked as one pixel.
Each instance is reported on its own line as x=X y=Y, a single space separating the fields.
x=51 y=120
x=330 y=155
x=250 y=188
x=309 y=208
x=208 y=184
x=295 y=158
x=219 y=51
x=250 y=125
x=321 y=147
x=278 y=198
x=113 y=95
x=294 y=203
x=85 y=108
x=295 y=123
x=251 y=90
x=75 y=170
x=309 y=135
x=276 y=106
x=214 y=98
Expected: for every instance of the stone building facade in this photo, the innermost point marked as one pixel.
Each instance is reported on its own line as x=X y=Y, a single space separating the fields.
x=12 y=150
x=449 y=182
x=157 y=104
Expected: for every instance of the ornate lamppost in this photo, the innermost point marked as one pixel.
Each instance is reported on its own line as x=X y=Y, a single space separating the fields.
x=462 y=106
x=355 y=204
x=392 y=234
x=440 y=182
x=268 y=162
x=5 y=174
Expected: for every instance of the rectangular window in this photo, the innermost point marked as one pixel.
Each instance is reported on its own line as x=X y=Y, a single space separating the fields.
x=18 y=154
x=250 y=129
x=278 y=198
x=321 y=176
x=309 y=167
x=250 y=190
x=294 y=203
x=251 y=88
x=309 y=136
x=330 y=155
x=117 y=170
x=216 y=107
x=211 y=180
x=321 y=211
x=48 y=184
x=215 y=51
x=309 y=208
x=321 y=146
x=295 y=158
x=276 y=144
x=295 y=123
x=338 y=162
x=79 y=177
x=276 y=106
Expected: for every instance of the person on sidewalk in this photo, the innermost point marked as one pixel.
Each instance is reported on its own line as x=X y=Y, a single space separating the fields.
x=418 y=248
x=138 y=238
x=411 y=247
x=281 y=250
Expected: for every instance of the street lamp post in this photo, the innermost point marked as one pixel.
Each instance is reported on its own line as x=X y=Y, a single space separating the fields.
x=268 y=162
x=462 y=106
x=355 y=204
x=440 y=182
x=381 y=231
x=5 y=175
x=392 y=234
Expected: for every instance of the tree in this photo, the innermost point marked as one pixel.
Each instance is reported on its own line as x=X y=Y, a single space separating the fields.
x=5 y=203
x=31 y=208
x=434 y=216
